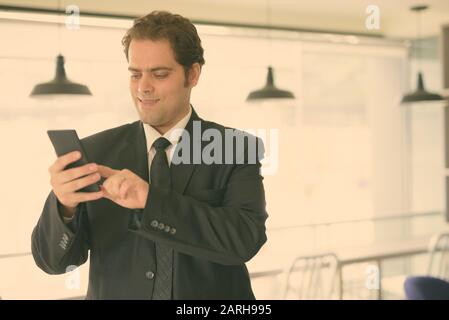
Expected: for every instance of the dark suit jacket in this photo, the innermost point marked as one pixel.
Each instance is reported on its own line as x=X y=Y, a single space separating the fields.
x=215 y=215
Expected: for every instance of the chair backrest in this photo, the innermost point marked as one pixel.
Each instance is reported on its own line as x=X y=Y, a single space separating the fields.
x=439 y=256
x=426 y=288
x=313 y=277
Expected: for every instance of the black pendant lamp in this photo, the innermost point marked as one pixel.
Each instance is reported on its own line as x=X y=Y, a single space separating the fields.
x=270 y=91
x=60 y=84
x=420 y=94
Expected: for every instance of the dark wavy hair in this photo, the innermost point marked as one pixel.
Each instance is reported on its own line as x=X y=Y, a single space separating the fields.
x=179 y=31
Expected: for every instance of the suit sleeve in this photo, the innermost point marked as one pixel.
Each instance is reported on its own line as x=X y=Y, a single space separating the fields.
x=230 y=234
x=56 y=245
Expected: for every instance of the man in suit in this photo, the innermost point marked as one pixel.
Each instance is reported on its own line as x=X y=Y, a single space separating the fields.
x=168 y=223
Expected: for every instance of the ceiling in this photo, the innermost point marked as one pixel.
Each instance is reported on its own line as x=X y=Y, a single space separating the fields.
x=344 y=15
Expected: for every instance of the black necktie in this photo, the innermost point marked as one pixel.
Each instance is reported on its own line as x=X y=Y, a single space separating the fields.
x=160 y=177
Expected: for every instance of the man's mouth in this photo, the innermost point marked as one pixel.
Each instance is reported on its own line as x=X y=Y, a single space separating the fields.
x=148 y=102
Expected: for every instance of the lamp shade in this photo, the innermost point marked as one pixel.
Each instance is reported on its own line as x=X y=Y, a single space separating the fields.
x=270 y=91
x=421 y=94
x=60 y=84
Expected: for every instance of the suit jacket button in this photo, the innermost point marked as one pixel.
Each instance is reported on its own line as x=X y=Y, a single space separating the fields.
x=173 y=231
x=161 y=226
x=167 y=229
x=149 y=275
x=154 y=223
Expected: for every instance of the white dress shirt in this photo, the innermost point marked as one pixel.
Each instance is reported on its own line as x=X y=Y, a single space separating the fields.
x=171 y=135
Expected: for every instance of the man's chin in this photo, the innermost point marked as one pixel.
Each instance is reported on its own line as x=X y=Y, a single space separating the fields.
x=145 y=116
x=147 y=119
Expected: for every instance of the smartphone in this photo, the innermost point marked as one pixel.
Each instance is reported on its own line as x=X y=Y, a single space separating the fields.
x=65 y=141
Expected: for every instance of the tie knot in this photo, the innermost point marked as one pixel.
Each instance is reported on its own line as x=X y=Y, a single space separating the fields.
x=161 y=143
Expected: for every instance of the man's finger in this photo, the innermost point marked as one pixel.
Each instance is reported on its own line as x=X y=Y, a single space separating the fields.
x=106 y=172
x=106 y=194
x=80 y=183
x=114 y=184
x=88 y=196
x=75 y=173
x=63 y=161
x=124 y=187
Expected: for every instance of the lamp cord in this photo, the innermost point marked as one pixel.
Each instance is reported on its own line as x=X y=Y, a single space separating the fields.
x=418 y=44
x=59 y=27
x=270 y=45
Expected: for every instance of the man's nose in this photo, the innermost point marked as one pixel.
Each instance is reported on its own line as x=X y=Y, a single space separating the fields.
x=145 y=84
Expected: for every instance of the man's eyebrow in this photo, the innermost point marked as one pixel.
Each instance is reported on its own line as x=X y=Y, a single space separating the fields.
x=150 y=69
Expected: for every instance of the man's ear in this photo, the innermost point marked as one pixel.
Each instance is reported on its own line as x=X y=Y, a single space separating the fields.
x=194 y=74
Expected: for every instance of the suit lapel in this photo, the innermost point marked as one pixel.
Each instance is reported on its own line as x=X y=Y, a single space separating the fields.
x=182 y=172
x=133 y=154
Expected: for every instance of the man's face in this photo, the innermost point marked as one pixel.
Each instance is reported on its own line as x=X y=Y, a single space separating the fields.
x=157 y=83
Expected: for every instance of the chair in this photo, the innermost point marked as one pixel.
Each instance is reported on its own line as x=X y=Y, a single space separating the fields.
x=437 y=267
x=426 y=288
x=313 y=277
x=439 y=256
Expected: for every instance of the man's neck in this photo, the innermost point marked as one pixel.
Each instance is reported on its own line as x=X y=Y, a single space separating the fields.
x=166 y=127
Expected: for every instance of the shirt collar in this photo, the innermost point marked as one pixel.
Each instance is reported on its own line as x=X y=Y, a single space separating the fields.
x=172 y=135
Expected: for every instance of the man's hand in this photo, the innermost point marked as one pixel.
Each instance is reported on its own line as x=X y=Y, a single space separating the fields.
x=65 y=183
x=124 y=187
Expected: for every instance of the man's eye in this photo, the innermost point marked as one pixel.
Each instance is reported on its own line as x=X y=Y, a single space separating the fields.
x=161 y=75
x=135 y=76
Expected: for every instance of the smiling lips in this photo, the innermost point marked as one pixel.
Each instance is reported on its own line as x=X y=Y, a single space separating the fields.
x=148 y=102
